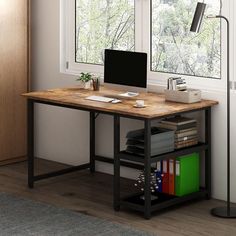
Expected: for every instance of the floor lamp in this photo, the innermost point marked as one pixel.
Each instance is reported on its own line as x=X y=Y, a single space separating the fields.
x=228 y=211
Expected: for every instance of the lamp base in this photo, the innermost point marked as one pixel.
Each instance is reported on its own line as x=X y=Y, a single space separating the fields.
x=222 y=212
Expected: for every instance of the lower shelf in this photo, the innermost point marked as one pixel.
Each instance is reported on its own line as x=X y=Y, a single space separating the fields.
x=164 y=200
x=123 y=155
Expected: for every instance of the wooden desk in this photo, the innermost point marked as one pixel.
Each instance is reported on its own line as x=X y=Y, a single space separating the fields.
x=157 y=108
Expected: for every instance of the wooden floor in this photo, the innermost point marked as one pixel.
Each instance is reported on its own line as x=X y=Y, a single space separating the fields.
x=92 y=195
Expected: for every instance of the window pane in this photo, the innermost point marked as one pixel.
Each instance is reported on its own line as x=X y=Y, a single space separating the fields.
x=103 y=24
x=177 y=50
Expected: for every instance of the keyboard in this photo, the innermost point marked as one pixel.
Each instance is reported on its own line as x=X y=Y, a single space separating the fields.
x=100 y=99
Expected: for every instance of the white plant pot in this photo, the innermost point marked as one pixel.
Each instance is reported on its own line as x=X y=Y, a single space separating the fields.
x=87 y=85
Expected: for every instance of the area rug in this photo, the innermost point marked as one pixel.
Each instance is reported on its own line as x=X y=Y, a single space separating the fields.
x=22 y=217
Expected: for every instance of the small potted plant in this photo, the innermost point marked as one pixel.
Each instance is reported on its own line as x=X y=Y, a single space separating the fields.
x=86 y=79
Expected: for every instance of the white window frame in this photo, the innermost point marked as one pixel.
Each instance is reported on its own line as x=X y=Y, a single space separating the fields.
x=142 y=43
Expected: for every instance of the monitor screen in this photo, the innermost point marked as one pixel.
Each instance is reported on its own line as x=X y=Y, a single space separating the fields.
x=125 y=68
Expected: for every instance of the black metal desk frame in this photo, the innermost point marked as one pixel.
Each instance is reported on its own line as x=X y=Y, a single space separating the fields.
x=32 y=178
x=123 y=159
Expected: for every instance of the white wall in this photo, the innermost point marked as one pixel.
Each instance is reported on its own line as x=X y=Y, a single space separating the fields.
x=63 y=135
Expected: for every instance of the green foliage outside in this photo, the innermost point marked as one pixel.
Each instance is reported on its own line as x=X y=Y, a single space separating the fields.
x=104 y=24
x=175 y=49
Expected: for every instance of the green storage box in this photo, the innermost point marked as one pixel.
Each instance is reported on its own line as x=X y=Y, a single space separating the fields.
x=187 y=179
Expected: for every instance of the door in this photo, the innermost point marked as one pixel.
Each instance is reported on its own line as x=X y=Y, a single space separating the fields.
x=13 y=77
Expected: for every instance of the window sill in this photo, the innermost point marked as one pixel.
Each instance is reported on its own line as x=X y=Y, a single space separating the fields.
x=157 y=81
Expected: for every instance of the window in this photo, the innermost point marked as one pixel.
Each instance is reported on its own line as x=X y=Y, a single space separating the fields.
x=158 y=27
x=103 y=24
x=175 y=49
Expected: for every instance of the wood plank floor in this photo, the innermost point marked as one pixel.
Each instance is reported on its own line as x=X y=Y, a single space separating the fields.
x=92 y=194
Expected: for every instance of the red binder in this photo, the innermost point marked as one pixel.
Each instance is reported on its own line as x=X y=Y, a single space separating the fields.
x=172 y=176
x=165 y=179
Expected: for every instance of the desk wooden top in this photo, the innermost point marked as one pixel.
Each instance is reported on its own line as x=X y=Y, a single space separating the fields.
x=157 y=107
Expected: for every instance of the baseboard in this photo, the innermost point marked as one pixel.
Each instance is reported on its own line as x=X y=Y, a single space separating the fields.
x=12 y=161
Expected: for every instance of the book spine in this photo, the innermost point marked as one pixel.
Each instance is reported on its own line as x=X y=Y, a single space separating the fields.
x=176 y=84
x=187 y=126
x=178 y=127
x=177 y=177
x=190 y=133
x=186 y=141
x=185 y=130
x=166 y=126
x=171 y=176
x=186 y=138
x=187 y=144
x=159 y=176
x=178 y=123
x=165 y=180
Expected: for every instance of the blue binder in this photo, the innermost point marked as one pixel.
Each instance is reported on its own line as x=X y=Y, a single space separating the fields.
x=159 y=176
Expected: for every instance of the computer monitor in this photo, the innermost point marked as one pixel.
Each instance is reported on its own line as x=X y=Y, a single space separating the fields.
x=126 y=69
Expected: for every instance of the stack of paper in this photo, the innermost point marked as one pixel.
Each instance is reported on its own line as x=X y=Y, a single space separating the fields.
x=162 y=141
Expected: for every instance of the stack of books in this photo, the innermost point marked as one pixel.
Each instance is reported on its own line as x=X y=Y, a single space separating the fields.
x=186 y=133
x=176 y=83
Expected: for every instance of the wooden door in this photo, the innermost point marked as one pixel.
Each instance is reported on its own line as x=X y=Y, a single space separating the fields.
x=13 y=78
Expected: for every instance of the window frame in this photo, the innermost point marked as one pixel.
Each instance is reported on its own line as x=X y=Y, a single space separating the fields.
x=142 y=43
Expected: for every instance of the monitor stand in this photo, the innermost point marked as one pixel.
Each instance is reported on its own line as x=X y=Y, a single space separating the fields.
x=129 y=94
x=126 y=91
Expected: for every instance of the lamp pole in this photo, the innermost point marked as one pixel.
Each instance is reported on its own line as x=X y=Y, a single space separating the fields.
x=227 y=212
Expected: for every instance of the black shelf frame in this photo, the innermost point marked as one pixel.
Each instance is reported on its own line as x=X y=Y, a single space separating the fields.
x=123 y=155
x=148 y=206
x=134 y=202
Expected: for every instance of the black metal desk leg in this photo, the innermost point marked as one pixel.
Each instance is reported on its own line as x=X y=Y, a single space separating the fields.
x=30 y=142
x=92 y=142
x=116 y=184
x=208 y=152
x=147 y=166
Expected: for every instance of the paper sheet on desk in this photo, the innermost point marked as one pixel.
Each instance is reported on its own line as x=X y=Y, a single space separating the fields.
x=129 y=94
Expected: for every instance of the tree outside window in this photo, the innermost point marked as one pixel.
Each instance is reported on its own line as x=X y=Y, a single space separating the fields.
x=174 y=49
x=177 y=50
x=103 y=24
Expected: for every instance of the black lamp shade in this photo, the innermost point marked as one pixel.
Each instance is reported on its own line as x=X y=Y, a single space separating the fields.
x=198 y=16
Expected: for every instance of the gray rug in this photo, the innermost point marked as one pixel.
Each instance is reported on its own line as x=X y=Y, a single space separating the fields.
x=21 y=217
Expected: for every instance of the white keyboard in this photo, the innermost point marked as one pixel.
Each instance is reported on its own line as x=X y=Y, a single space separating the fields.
x=100 y=99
